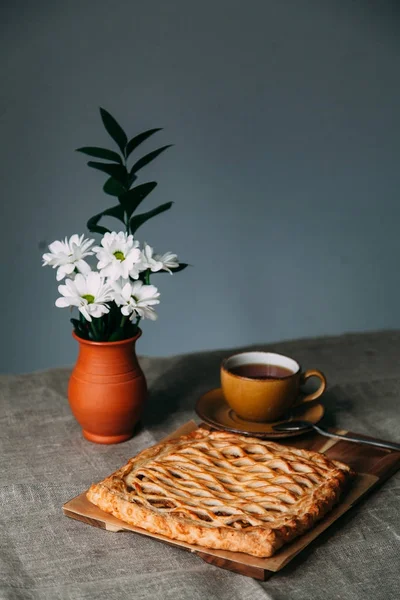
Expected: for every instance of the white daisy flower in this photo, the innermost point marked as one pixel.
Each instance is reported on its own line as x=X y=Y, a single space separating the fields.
x=118 y=256
x=89 y=294
x=67 y=256
x=158 y=262
x=136 y=299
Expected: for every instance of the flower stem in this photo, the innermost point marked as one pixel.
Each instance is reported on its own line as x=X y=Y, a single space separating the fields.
x=147 y=277
x=128 y=186
x=95 y=331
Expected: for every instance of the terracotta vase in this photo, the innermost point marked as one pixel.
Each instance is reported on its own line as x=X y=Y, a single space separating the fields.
x=107 y=390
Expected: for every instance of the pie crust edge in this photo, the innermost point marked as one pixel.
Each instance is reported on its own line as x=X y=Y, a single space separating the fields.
x=257 y=541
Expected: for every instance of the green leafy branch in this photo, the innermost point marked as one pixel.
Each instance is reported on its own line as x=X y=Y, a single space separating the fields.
x=121 y=178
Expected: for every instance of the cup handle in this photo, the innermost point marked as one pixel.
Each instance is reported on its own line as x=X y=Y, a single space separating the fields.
x=303 y=378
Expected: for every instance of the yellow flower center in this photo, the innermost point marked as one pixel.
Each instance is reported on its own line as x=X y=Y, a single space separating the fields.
x=89 y=298
x=119 y=255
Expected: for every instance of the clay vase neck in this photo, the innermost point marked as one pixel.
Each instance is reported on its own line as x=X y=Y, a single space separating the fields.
x=107 y=389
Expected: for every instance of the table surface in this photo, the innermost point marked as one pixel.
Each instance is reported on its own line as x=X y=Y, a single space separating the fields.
x=45 y=461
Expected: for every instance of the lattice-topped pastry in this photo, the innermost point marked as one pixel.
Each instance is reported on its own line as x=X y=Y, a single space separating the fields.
x=222 y=490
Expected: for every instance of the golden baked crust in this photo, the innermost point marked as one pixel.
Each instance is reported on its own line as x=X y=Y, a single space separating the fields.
x=223 y=490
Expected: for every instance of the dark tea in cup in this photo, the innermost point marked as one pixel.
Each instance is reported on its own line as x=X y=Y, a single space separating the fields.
x=261 y=371
x=262 y=386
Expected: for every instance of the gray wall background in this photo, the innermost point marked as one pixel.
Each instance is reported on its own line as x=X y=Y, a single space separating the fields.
x=285 y=170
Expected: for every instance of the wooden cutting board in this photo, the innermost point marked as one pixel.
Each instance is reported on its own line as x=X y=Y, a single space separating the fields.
x=373 y=465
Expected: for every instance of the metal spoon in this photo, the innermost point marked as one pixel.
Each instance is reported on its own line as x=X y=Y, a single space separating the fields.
x=303 y=425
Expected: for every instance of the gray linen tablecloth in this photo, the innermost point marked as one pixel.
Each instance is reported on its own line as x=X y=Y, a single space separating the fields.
x=45 y=461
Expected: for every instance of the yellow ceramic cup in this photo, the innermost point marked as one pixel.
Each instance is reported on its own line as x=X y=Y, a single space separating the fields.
x=265 y=398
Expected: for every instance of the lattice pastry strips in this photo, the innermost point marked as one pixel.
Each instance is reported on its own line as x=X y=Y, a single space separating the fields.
x=222 y=490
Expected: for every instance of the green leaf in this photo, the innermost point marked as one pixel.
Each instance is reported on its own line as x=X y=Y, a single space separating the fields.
x=97 y=229
x=114 y=129
x=118 y=172
x=112 y=187
x=101 y=153
x=127 y=330
x=138 y=220
x=79 y=328
x=142 y=162
x=138 y=139
x=130 y=200
x=115 y=211
x=117 y=335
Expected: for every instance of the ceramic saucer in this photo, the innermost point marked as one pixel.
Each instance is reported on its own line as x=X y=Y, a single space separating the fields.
x=214 y=411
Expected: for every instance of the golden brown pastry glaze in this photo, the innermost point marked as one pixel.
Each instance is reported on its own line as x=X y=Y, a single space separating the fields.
x=223 y=490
